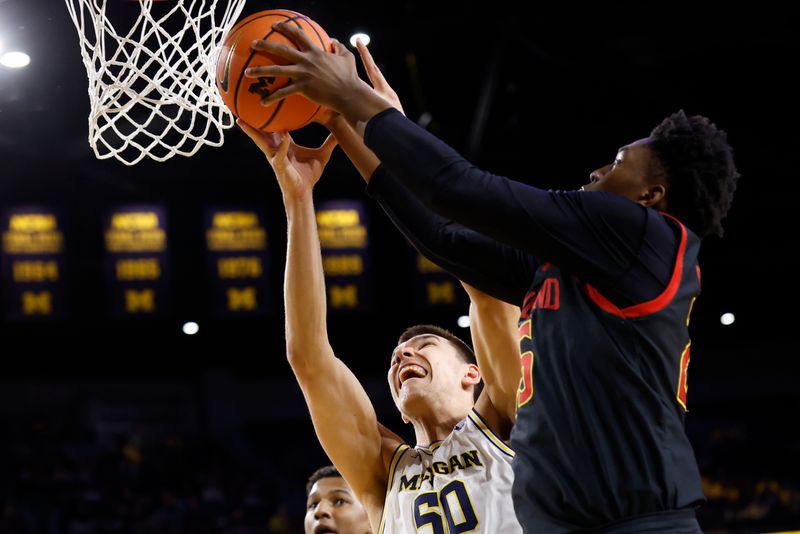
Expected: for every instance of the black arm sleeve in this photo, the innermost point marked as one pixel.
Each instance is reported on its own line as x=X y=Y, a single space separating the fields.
x=499 y=270
x=616 y=245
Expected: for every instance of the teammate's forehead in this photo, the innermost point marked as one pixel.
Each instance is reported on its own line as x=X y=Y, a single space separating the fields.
x=328 y=486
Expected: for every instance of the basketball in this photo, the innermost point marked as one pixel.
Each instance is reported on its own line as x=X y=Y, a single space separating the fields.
x=242 y=95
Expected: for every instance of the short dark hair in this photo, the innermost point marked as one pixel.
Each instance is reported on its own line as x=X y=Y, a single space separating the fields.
x=701 y=174
x=462 y=349
x=328 y=471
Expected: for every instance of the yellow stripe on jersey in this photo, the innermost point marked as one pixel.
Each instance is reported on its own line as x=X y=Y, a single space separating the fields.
x=398 y=453
x=476 y=418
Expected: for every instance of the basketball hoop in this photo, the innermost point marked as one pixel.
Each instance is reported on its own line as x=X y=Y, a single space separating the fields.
x=151 y=88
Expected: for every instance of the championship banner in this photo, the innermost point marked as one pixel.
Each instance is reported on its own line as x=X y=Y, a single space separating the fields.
x=136 y=261
x=238 y=264
x=434 y=287
x=33 y=264
x=344 y=238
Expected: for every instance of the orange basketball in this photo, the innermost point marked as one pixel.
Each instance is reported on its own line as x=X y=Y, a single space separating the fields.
x=243 y=95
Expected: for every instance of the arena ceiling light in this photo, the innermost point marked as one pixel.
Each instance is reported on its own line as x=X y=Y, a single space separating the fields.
x=190 y=328
x=15 y=60
x=363 y=36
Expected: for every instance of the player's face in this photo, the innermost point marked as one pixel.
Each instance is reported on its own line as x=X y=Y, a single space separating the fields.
x=628 y=175
x=426 y=366
x=332 y=508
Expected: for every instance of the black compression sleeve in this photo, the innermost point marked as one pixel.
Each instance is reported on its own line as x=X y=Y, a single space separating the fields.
x=499 y=270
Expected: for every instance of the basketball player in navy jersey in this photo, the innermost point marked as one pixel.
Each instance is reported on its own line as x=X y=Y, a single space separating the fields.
x=332 y=506
x=458 y=476
x=605 y=278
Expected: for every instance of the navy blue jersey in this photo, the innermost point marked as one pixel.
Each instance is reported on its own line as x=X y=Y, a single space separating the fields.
x=599 y=432
x=607 y=285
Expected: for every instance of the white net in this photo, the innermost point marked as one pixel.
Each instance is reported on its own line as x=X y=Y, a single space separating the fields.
x=151 y=86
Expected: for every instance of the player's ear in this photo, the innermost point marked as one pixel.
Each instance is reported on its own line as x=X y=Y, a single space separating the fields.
x=472 y=376
x=653 y=195
x=406 y=420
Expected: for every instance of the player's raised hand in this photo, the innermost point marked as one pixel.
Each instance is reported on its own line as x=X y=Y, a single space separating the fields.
x=330 y=79
x=319 y=75
x=376 y=77
x=296 y=167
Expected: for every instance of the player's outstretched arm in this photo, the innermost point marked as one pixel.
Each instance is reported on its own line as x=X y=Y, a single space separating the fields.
x=342 y=413
x=495 y=338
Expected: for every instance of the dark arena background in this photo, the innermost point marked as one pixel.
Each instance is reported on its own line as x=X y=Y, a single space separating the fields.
x=114 y=420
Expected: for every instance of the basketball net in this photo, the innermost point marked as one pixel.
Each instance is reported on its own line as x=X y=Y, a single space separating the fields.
x=151 y=88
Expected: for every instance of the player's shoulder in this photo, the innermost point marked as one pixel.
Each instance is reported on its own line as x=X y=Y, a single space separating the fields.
x=606 y=203
x=601 y=209
x=482 y=434
x=496 y=418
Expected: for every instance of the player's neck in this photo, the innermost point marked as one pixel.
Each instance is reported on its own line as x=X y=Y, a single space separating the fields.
x=429 y=430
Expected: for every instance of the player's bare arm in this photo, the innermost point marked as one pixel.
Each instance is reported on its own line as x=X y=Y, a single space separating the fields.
x=493 y=326
x=343 y=416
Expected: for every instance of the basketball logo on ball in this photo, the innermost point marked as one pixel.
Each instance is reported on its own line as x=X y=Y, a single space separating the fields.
x=243 y=95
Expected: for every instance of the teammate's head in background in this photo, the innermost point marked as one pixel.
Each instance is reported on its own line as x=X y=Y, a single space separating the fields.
x=685 y=168
x=431 y=368
x=331 y=505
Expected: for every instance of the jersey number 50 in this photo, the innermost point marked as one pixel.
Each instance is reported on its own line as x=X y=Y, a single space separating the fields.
x=451 y=497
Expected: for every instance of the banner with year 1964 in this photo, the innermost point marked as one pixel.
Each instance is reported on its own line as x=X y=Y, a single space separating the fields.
x=33 y=263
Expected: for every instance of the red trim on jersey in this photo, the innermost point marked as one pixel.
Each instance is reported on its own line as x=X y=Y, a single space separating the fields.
x=651 y=306
x=683 y=372
x=699 y=278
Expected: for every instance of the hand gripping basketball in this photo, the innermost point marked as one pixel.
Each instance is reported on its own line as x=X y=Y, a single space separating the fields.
x=243 y=95
x=328 y=79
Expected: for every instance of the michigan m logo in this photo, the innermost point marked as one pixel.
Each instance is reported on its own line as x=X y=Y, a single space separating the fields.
x=37 y=303
x=243 y=299
x=344 y=296
x=143 y=301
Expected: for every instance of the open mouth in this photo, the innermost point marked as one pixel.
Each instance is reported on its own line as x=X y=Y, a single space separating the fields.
x=324 y=529
x=410 y=371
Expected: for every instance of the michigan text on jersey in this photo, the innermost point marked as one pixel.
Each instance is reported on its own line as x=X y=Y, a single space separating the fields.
x=466 y=460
